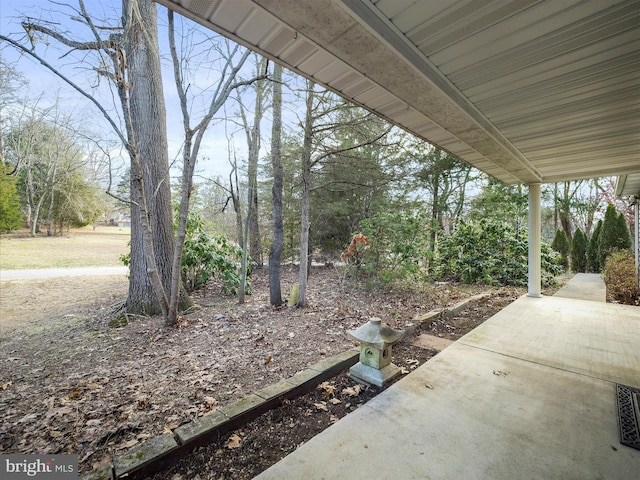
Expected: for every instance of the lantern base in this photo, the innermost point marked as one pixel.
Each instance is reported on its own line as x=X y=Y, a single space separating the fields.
x=367 y=374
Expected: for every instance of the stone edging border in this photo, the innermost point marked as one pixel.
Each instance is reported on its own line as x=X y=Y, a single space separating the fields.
x=159 y=451
x=440 y=313
x=162 y=450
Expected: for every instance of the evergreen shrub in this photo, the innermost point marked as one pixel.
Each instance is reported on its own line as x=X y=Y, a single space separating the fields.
x=614 y=234
x=490 y=252
x=579 y=251
x=593 y=260
x=561 y=245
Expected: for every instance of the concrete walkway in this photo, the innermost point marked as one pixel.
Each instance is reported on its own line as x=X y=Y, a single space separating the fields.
x=584 y=286
x=60 y=272
x=528 y=394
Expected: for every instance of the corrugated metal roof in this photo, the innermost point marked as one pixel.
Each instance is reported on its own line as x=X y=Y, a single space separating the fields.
x=530 y=91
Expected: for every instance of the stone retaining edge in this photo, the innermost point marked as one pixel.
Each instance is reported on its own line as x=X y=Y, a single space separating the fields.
x=162 y=450
x=433 y=315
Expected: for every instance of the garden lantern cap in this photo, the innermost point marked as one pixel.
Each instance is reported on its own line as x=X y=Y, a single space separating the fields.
x=376 y=334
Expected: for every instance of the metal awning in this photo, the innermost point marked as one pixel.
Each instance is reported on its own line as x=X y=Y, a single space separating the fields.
x=529 y=91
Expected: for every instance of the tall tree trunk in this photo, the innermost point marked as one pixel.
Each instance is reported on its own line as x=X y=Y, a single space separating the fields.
x=565 y=211
x=50 y=230
x=306 y=192
x=435 y=213
x=234 y=190
x=150 y=170
x=31 y=210
x=275 y=288
x=252 y=133
x=243 y=263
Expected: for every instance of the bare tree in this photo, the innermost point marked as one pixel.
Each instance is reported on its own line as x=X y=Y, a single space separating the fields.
x=275 y=289
x=129 y=56
x=228 y=81
x=252 y=133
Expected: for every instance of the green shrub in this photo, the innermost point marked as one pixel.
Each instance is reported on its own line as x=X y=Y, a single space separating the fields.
x=390 y=247
x=614 y=235
x=206 y=257
x=593 y=261
x=621 y=277
x=579 y=251
x=10 y=215
x=560 y=244
x=490 y=252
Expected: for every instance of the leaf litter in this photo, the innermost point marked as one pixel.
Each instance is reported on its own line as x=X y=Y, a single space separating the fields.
x=74 y=385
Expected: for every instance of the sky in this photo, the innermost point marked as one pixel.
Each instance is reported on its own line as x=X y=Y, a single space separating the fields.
x=46 y=87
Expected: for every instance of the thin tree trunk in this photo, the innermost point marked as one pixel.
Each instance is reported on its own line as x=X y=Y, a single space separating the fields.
x=237 y=207
x=252 y=133
x=304 y=203
x=50 y=231
x=243 y=263
x=275 y=288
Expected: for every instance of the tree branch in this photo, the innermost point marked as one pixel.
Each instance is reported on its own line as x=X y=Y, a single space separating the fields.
x=70 y=83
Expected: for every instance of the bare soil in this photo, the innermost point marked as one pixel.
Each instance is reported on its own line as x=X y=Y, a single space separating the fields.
x=70 y=383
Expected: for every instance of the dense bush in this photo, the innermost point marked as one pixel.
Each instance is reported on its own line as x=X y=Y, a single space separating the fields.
x=390 y=246
x=593 y=261
x=579 y=251
x=621 y=278
x=490 y=252
x=560 y=244
x=614 y=234
x=205 y=257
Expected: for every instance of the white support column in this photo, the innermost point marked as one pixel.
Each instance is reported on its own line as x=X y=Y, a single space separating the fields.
x=636 y=240
x=535 y=233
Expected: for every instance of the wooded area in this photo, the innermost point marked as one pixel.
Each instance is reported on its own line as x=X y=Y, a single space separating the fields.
x=320 y=180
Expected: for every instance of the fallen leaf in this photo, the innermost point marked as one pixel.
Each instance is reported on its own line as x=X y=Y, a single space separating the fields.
x=403 y=370
x=335 y=401
x=411 y=361
x=353 y=391
x=267 y=360
x=328 y=390
x=170 y=428
x=59 y=412
x=28 y=417
x=100 y=463
x=321 y=406
x=234 y=441
x=6 y=385
x=75 y=394
x=500 y=373
x=130 y=443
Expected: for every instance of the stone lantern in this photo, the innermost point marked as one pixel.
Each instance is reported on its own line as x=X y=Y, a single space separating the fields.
x=376 y=340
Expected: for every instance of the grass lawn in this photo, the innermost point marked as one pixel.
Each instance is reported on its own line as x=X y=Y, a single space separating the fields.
x=83 y=247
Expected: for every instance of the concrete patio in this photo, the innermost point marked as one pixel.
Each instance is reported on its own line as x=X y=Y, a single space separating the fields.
x=528 y=394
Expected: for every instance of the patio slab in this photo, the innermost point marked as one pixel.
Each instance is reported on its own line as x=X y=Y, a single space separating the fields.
x=528 y=394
